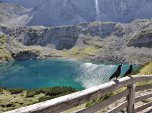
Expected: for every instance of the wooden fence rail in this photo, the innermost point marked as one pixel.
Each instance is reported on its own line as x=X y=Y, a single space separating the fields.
x=63 y=103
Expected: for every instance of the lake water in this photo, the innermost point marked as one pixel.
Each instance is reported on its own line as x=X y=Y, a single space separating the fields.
x=49 y=73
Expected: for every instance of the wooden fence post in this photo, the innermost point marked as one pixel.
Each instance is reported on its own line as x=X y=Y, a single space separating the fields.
x=131 y=98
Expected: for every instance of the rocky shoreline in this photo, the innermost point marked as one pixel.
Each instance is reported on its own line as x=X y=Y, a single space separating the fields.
x=94 y=41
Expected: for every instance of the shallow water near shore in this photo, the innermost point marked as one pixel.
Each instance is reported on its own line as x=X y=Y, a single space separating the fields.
x=49 y=73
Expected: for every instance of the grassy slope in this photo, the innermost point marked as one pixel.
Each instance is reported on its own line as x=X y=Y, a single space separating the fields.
x=4 y=54
x=15 y=98
x=146 y=70
x=91 y=48
x=10 y=101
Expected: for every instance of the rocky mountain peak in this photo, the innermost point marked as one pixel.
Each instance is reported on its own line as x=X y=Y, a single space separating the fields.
x=69 y=12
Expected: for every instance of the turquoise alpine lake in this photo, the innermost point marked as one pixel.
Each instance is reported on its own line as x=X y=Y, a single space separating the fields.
x=49 y=73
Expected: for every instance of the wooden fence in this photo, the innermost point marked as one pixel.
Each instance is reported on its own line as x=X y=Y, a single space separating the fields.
x=63 y=103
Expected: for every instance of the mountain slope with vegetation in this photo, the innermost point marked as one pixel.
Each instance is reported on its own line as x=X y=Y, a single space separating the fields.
x=146 y=69
x=4 y=53
x=14 y=98
x=94 y=41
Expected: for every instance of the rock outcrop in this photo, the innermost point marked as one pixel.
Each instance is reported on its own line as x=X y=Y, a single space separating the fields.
x=25 y=55
x=13 y=15
x=143 y=39
x=70 y=12
x=95 y=41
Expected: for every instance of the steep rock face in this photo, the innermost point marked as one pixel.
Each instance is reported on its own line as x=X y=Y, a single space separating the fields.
x=143 y=39
x=64 y=37
x=67 y=12
x=24 y=3
x=95 y=41
x=60 y=37
x=63 y=12
x=25 y=55
x=101 y=29
x=14 y=15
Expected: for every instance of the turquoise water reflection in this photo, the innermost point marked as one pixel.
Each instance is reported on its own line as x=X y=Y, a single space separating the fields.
x=50 y=73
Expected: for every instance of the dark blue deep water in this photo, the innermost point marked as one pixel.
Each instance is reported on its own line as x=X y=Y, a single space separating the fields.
x=49 y=73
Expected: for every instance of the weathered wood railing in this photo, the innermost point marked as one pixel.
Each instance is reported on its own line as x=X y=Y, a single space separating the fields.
x=63 y=103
